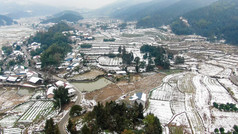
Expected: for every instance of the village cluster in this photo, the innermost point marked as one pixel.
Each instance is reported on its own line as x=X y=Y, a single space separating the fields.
x=184 y=99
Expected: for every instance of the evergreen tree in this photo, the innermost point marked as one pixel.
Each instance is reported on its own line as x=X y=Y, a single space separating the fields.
x=152 y=125
x=75 y=110
x=71 y=127
x=50 y=128
x=119 y=49
x=61 y=96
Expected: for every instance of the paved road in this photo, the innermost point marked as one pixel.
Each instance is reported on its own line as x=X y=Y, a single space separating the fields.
x=63 y=122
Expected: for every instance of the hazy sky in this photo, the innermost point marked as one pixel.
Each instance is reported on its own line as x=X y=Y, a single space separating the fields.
x=92 y=4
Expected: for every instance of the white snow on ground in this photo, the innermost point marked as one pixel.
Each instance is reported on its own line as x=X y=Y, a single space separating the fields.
x=229 y=85
x=12 y=131
x=8 y=121
x=218 y=92
x=202 y=101
x=22 y=108
x=39 y=108
x=223 y=119
x=208 y=69
x=225 y=73
x=164 y=113
x=181 y=119
x=87 y=103
x=162 y=93
x=109 y=61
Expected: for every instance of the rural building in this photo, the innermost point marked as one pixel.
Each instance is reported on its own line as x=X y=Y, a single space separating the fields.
x=139 y=97
x=36 y=80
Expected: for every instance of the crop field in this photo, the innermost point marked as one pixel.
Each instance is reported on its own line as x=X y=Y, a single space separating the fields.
x=230 y=86
x=89 y=75
x=10 y=97
x=106 y=61
x=218 y=92
x=37 y=110
x=20 y=110
x=8 y=121
x=209 y=70
x=186 y=100
x=164 y=114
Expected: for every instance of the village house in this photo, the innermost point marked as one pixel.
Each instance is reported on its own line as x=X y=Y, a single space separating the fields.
x=139 y=98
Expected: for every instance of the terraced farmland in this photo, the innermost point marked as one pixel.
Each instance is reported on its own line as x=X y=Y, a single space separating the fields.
x=37 y=110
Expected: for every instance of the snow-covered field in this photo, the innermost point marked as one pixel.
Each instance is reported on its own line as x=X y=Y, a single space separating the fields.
x=218 y=92
x=39 y=108
x=164 y=113
x=223 y=119
x=22 y=108
x=185 y=99
x=209 y=70
x=106 y=61
x=8 y=121
x=230 y=86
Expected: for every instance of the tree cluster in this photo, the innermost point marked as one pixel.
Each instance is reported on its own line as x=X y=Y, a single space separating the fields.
x=221 y=130
x=61 y=97
x=7 y=50
x=217 y=21
x=120 y=118
x=54 y=44
x=179 y=60
x=228 y=107
x=127 y=58
x=75 y=111
x=51 y=127
x=160 y=55
x=109 y=40
x=85 y=45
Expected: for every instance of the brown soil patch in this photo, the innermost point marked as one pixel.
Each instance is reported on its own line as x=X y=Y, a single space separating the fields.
x=113 y=91
x=108 y=93
x=89 y=75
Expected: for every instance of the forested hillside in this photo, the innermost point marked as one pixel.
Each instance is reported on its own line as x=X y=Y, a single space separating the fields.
x=167 y=15
x=141 y=10
x=219 y=20
x=70 y=16
x=54 y=44
x=4 y=20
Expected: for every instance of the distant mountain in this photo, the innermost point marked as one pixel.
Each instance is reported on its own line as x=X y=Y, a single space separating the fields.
x=139 y=11
x=218 y=20
x=4 y=20
x=70 y=16
x=17 y=11
x=108 y=10
x=164 y=16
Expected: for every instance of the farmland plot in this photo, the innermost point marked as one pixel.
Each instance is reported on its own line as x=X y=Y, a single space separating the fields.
x=163 y=92
x=202 y=101
x=106 y=61
x=185 y=84
x=229 y=85
x=12 y=131
x=209 y=70
x=218 y=92
x=11 y=98
x=39 y=108
x=193 y=115
x=8 y=121
x=164 y=113
x=223 y=119
x=181 y=120
x=22 y=108
x=225 y=73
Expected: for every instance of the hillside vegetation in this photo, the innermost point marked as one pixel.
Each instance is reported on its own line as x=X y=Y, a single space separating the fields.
x=167 y=15
x=70 y=16
x=4 y=20
x=217 y=21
